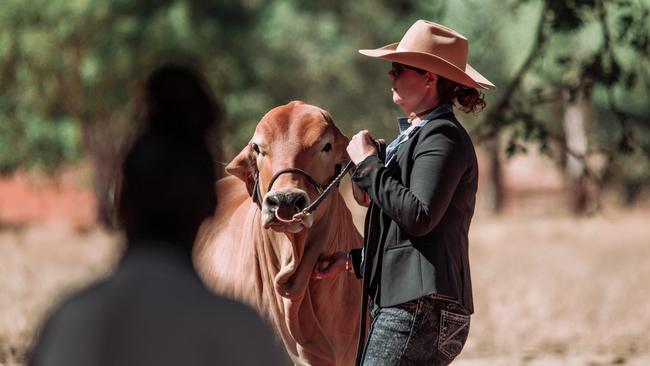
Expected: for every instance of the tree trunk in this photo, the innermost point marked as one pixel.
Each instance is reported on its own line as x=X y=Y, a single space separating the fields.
x=104 y=184
x=495 y=190
x=576 y=113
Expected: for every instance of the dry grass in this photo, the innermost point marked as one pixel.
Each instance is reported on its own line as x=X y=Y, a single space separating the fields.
x=559 y=288
x=548 y=290
x=38 y=266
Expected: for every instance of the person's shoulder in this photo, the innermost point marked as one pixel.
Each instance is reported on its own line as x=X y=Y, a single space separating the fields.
x=77 y=312
x=226 y=312
x=445 y=126
x=232 y=309
x=240 y=327
x=84 y=298
x=69 y=320
x=445 y=122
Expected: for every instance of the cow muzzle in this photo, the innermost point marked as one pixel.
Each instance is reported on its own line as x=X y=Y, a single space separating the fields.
x=280 y=209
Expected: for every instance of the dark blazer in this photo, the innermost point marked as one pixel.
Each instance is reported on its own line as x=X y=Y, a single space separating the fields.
x=416 y=229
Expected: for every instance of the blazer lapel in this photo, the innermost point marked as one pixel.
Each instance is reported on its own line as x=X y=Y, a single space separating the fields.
x=404 y=147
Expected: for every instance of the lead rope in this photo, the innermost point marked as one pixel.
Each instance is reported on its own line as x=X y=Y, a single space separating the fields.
x=314 y=205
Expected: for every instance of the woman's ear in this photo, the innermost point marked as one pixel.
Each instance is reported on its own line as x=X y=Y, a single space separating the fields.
x=243 y=167
x=432 y=80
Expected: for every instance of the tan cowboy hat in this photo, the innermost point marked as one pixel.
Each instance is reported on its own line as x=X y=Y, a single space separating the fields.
x=436 y=48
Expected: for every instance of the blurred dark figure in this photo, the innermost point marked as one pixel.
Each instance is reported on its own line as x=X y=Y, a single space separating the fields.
x=154 y=310
x=178 y=101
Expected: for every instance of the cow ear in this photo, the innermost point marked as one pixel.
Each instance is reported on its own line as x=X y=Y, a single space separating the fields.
x=341 y=141
x=243 y=167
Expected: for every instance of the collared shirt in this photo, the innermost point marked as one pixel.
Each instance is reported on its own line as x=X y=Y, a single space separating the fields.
x=406 y=129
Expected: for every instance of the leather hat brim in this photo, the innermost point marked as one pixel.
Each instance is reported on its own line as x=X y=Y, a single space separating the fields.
x=437 y=65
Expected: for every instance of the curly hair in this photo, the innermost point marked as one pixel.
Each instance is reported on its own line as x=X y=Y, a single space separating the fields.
x=470 y=99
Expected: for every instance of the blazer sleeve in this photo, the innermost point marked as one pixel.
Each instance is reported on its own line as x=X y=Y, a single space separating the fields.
x=437 y=169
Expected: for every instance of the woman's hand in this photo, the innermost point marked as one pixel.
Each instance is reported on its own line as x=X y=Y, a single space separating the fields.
x=361 y=146
x=329 y=266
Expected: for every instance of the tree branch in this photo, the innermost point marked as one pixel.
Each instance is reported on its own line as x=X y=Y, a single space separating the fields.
x=627 y=139
x=507 y=96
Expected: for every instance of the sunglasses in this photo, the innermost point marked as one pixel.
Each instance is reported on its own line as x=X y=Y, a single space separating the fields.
x=397 y=69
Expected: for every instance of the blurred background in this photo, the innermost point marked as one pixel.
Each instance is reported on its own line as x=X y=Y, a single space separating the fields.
x=560 y=242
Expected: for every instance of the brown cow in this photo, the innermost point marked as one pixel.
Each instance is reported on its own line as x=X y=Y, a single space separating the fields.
x=249 y=254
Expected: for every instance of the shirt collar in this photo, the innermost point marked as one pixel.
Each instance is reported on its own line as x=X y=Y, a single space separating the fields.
x=403 y=122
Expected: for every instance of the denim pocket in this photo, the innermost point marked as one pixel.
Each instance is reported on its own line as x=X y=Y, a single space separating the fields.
x=454 y=329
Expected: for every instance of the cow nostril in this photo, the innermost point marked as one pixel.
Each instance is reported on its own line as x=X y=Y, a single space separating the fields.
x=272 y=201
x=300 y=202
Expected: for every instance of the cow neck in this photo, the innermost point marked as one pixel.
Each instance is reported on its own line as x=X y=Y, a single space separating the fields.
x=300 y=320
x=334 y=232
x=269 y=256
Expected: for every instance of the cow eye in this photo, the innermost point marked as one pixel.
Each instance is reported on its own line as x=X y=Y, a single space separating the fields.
x=327 y=147
x=255 y=148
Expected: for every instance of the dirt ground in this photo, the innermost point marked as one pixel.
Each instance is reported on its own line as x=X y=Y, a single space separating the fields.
x=561 y=291
x=549 y=289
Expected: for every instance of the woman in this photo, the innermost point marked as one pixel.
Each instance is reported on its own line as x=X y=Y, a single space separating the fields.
x=421 y=197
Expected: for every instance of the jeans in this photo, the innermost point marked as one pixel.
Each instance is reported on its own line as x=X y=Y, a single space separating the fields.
x=425 y=331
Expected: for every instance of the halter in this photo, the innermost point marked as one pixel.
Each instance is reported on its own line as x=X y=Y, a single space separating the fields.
x=323 y=190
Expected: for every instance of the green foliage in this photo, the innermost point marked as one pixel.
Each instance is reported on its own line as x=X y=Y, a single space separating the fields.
x=31 y=142
x=70 y=69
x=582 y=47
